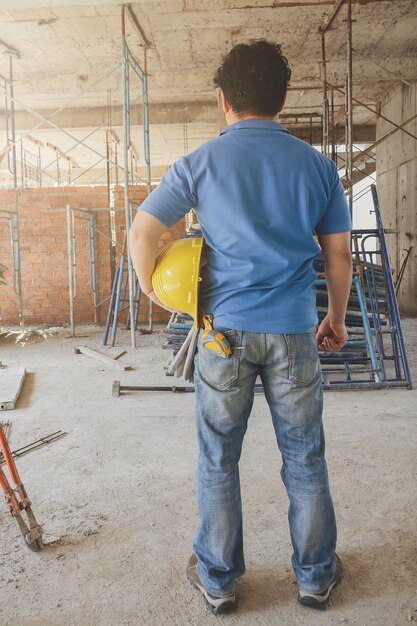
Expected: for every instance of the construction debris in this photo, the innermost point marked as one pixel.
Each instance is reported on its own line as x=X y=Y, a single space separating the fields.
x=23 y=334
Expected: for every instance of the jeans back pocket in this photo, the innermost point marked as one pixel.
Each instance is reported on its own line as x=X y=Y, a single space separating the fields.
x=303 y=358
x=216 y=371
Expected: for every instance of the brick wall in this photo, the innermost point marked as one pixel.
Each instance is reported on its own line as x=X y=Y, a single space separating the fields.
x=44 y=254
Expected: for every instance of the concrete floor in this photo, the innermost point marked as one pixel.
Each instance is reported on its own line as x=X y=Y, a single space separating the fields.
x=119 y=492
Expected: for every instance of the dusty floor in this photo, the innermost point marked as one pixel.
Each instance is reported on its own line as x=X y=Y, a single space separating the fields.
x=119 y=491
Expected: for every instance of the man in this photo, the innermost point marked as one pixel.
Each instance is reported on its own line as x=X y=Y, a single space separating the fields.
x=259 y=195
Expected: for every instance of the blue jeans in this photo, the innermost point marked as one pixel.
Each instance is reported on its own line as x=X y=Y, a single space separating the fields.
x=289 y=368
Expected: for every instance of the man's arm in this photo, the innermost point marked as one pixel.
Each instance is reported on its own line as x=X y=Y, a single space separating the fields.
x=332 y=334
x=144 y=235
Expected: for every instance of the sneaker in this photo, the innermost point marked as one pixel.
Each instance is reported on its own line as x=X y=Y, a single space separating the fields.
x=322 y=600
x=214 y=604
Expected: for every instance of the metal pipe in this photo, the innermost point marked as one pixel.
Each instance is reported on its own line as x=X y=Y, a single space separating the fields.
x=111 y=305
x=367 y=329
x=70 y=275
x=17 y=269
x=12 y=250
x=334 y=150
x=135 y=65
x=74 y=252
x=325 y=100
x=134 y=21
x=145 y=109
x=328 y=20
x=146 y=135
x=6 y=116
x=368 y=271
x=118 y=297
x=92 y=259
x=10 y=49
x=349 y=108
x=126 y=142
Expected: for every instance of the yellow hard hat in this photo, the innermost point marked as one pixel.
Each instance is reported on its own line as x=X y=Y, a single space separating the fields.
x=176 y=277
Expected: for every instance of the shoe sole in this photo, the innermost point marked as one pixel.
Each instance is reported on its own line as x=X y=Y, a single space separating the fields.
x=313 y=603
x=226 y=607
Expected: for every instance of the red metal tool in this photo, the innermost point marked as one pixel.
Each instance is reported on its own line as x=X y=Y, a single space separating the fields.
x=18 y=500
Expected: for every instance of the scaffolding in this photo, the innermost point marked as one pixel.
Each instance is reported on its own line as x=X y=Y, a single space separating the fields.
x=33 y=172
x=353 y=158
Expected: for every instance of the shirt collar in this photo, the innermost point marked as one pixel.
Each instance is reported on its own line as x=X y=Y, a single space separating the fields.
x=255 y=125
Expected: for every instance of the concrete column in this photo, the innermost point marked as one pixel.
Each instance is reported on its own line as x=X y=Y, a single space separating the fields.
x=396 y=167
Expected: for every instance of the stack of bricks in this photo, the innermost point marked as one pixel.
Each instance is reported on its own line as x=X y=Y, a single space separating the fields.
x=44 y=254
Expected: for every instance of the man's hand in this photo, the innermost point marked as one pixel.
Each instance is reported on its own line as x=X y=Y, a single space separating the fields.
x=331 y=336
x=152 y=296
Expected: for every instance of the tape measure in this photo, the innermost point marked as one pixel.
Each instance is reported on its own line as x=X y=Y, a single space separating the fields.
x=213 y=340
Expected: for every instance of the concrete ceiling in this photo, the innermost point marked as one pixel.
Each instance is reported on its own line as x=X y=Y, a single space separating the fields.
x=67 y=47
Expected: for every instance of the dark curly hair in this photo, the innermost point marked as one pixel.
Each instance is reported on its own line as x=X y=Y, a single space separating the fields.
x=254 y=78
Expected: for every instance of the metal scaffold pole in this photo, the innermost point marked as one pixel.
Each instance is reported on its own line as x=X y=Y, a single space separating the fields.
x=126 y=144
x=145 y=116
x=17 y=270
x=349 y=109
x=325 y=98
x=70 y=242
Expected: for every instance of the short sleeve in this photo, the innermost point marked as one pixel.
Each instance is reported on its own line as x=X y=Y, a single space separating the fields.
x=174 y=196
x=336 y=218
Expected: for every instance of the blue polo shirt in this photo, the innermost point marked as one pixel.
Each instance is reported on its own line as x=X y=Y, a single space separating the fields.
x=259 y=194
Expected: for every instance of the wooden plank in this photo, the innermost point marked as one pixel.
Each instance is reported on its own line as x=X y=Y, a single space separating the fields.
x=103 y=358
x=117 y=356
x=115 y=353
x=11 y=381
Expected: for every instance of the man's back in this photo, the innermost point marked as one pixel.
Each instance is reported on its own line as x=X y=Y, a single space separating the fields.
x=259 y=194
